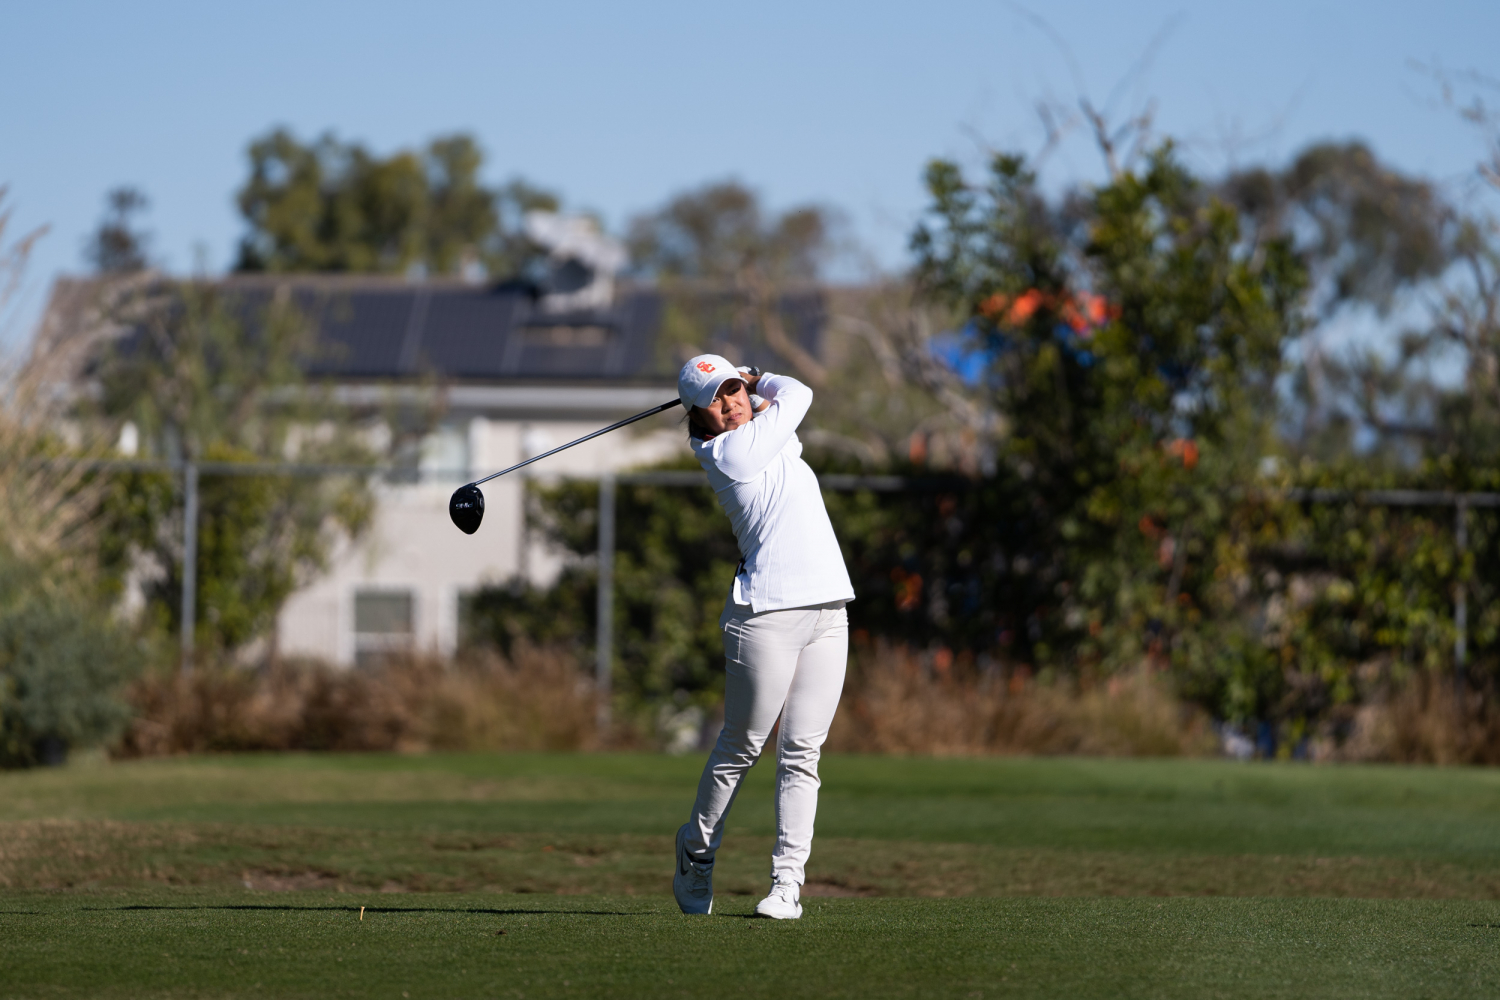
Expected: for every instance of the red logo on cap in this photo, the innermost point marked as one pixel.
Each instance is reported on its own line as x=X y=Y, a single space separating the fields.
x=704 y=366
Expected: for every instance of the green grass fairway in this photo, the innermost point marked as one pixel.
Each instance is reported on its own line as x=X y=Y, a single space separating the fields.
x=222 y=876
x=163 y=944
x=886 y=826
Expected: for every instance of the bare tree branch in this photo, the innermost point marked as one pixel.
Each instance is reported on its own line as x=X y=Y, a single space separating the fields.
x=763 y=296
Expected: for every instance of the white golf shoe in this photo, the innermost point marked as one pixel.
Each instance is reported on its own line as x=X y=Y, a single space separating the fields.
x=693 y=881
x=781 y=903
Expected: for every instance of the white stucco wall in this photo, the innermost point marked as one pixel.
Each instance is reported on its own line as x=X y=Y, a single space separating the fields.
x=413 y=547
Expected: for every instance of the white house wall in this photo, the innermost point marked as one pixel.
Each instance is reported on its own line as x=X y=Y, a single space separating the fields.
x=412 y=546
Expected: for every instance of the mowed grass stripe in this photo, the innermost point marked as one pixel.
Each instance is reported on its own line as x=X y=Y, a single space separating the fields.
x=559 y=823
x=1075 y=877
x=1165 y=807
x=314 y=945
x=74 y=854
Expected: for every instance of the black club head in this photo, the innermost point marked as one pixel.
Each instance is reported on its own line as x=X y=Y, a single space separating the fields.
x=466 y=507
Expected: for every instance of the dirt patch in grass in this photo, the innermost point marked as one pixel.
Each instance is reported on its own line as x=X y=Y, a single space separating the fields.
x=264 y=881
x=822 y=887
x=922 y=869
x=64 y=854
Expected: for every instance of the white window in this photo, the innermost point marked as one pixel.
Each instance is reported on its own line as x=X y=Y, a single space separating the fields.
x=445 y=452
x=384 y=623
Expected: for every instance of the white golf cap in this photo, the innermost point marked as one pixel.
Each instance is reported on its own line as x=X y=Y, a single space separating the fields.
x=701 y=377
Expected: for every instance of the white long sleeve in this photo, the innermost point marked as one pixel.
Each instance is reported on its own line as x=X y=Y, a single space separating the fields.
x=743 y=453
x=791 y=556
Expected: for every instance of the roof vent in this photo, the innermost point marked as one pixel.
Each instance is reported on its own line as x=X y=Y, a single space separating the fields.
x=583 y=262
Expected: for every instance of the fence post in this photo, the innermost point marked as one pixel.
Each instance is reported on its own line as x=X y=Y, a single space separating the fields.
x=1460 y=594
x=189 y=563
x=605 y=611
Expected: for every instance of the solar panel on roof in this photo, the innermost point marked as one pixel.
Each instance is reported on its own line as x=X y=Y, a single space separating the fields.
x=380 y=330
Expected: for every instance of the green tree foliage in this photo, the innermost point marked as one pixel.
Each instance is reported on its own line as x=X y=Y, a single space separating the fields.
x=720 y=231
x=946 y=564
x=1134 y=343
x=63 y=658
x=674 y=561
x=208 y=376
x=63 y=663
x=1377 y=589
x=1370 y=595
x=331 y=205
x=1373 y=239
x=1451 y=429
x=1366 y=231
x=119 y=245
x=1133 y=340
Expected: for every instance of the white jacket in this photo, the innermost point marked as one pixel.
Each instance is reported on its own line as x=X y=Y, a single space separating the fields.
x=791 y=557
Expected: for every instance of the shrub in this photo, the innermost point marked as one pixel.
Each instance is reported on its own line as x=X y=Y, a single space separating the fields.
x=62 y=666
x=900 y=700
x=535 y=700
x=1423 y=721
x=674 y=561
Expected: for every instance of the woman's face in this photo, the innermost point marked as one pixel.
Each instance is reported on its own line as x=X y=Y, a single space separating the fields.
x=730 y=408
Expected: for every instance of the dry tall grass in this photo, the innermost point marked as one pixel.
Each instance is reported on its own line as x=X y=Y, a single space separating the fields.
x=1424 y=722
x=899 y=700
x=896 y=700
x=536 y=701
x=45 y=504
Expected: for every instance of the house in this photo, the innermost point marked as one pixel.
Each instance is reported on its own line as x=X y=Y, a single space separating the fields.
x=515 y=380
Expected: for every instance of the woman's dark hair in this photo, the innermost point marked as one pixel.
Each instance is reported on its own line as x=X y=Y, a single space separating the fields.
x=696 y=431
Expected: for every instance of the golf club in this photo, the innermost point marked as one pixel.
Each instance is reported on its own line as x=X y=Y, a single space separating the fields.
x=466 y=506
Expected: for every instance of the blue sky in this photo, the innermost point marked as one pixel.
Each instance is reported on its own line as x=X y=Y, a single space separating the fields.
x=619 y=105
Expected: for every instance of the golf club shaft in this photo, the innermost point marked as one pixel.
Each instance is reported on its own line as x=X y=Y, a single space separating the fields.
x=587 y=437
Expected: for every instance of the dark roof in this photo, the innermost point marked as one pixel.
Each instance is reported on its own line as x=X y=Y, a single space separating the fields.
x=383 y=329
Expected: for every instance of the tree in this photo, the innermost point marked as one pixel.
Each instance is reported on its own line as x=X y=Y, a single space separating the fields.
x=118 y=246
x=727 y=266
x=63 y=661
x=1366 y=231
x=209 y=376
x=63 y=657
x=720 y=231
x=741 y=279
x=335 y=206
x=1132 y=338
x=675 y=560
x=1369 y=235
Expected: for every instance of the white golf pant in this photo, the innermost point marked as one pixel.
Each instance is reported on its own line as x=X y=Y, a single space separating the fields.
x=779 y=663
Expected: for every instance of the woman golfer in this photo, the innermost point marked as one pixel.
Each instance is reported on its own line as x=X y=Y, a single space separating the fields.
x=786 y=634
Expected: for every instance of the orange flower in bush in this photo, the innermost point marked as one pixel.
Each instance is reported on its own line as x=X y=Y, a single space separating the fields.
x=1083 y=311
x=908 y=589
x=1185 y=449
x=1003 y=308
